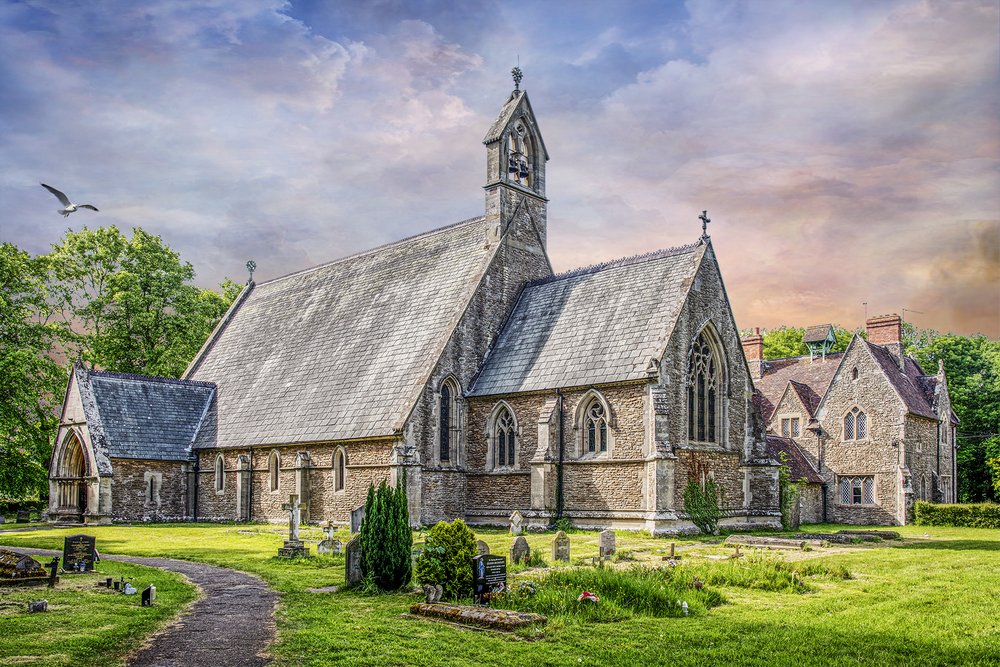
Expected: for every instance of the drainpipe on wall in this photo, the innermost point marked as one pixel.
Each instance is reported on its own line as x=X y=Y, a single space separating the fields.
x=559 y=470
x=939 y=449
x=823 y=488
x=250 y=489
x=197 y=483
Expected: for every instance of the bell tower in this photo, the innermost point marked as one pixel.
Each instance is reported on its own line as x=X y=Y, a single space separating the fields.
x=515 y=168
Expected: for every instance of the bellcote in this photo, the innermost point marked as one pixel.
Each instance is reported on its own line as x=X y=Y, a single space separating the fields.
x=515 y=166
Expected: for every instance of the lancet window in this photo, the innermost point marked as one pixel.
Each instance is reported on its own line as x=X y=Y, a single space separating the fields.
x=704 y=389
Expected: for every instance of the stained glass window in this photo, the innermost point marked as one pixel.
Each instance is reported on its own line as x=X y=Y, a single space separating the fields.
x=703 y=390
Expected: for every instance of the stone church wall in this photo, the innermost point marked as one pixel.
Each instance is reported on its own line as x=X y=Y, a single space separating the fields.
x=921 y=443
x=129 y=490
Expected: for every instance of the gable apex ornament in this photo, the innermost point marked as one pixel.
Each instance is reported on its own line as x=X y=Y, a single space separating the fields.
x=704 y=225
x=517 y=74
x=251 y=267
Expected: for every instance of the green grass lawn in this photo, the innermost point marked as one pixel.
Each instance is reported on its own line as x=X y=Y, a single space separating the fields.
x=933 y=598
x=87 y=624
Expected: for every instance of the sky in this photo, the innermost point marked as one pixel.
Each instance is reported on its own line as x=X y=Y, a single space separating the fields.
x=846 y=152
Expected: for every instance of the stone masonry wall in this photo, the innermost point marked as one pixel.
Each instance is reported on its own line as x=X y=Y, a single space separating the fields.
x=921 y=442
x=724 y=469
x=129 y=490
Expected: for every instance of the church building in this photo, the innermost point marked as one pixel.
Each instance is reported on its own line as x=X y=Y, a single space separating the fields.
x=456 y=360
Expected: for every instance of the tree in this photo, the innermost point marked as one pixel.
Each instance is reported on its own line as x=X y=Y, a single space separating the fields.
x=31 y=382
x=972 y=364
x=130 y=301
x=702 y=505
x=385 y=539
x=783 y=342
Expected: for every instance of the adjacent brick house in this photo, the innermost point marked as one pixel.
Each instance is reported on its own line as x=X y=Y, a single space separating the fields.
x=876 y=431
x=457 y=358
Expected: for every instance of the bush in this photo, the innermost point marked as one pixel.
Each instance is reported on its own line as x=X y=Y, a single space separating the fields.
x=446 y=558
x=978 y=515
x=702 y=506
x=386 y=540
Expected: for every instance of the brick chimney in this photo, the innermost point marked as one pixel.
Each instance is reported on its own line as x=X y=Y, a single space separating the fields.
x=753 y=350
x=887 y=331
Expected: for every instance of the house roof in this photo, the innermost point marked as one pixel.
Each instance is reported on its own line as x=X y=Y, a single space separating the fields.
x=799 y=468
x=818 y=334
x=594 y=325
x=810 y=377
x=342 y=350
x=140 y=417
x=906 y=382
x=495 y=133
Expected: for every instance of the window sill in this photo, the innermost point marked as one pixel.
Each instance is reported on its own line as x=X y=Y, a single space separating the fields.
x=857 y=505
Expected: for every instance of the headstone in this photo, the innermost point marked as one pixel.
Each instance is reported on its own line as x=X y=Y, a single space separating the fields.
x=560 y=547
x=38 y=606
x=516 y=523
x=520 y=551
x=482 y=549
x=489 y=575
x=79 y=553
x=53 y=572
x=357 y=516
x=293 y=545
x=432 y=594
x=330 y=546
x=23 y=516
x=19 y=568
x=352 y=561
x=149 y=596
x=607 y=542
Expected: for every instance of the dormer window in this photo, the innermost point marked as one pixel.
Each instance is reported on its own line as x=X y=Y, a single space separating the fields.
x=790 y=427
x=519 y=155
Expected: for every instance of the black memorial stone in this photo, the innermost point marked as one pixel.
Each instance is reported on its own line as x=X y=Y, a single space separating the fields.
x=489 y=575
x=79 y=553
x=149 y=596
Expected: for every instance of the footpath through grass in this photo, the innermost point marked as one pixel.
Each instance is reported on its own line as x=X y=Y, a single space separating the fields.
x=933 y=598
x=86 y=624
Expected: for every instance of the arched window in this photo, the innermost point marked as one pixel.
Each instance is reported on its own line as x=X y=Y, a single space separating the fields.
x=220 y=475
x=448 y=414
x=704 y=389
x=595 y=427
x=504 y=438
x=854 y=373
x=273 y=467
x=519 y=155
x=855 y=425
x=339 y=469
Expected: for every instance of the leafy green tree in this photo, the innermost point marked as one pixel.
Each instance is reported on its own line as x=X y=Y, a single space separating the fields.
x=783 y=342
x=31 y=381
x=972 y=364
x=702 y=506
x=130 y=301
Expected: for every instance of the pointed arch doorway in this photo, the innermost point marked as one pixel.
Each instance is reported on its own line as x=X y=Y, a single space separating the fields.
x=72 y=479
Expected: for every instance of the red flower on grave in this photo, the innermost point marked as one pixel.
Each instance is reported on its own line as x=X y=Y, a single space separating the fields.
x=587 y=596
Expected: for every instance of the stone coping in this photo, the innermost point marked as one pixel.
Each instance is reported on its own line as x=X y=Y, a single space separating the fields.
x=487 y=617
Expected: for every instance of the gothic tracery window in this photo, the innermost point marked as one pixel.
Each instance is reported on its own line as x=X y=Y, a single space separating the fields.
x=504 y=439
x=704 y=386
x=595 y=426
x=855 y=425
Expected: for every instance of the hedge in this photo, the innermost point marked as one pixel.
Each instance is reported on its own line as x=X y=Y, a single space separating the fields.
x=979 y=515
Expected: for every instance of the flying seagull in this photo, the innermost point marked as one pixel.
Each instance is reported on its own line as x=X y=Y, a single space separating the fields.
x=64 y=200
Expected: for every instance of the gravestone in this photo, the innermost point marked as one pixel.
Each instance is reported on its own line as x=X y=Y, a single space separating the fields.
x=516 y=523
x=352 y=561
x=607 y=543
x=560 y=547
x=38 y=606
x=79 y=553
x=520 y=551
x=357 y=516
x=16 y=568
x=149 y=596
x=482 y=549
x=293 y=545
x=53 y=571
x=489 y=575
x=329 y=545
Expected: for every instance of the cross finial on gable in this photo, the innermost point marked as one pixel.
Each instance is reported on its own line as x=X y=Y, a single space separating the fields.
x=704 y=224
x=518 y=75
x=251 y=267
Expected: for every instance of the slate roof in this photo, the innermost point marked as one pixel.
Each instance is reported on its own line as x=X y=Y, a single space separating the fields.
x=342 y=350
x=140 y=417
x=817 y=334
x=506 y=112
x=811 y=380
x=907 y=382
x=590 y=326
x=799 y=468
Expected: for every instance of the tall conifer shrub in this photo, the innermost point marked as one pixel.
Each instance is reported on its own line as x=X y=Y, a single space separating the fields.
x=385 y=538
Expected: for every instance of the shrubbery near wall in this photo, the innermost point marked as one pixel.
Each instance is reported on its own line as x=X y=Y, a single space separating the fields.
x=447 y=558
x=979 y=515
x=386 y=540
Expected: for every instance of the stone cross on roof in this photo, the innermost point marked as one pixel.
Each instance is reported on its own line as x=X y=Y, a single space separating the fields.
x=251 y=267
x=518 y=75
x=704 y=224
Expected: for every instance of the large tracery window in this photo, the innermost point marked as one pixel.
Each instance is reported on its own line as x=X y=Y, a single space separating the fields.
x=504 y=439
x=704 y=387
x=596 y=428
x=519 y=155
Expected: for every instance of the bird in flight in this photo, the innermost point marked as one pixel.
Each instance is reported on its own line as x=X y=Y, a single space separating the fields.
x=64 y=200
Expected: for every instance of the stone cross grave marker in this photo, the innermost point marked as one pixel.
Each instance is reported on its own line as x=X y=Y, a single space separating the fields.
x=352 y=561
x=79 y=553
x=357 y=517
x=329 y=545
x=560 y=547
x=293 y=545
x=516 y=523
x=607 y=542
x=482 y=549
x=520 y=551
x=489 y=574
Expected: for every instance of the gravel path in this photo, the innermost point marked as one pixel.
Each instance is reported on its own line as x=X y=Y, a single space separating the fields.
x=232 y=625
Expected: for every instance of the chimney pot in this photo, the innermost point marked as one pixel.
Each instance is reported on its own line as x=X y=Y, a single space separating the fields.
x=885 y=329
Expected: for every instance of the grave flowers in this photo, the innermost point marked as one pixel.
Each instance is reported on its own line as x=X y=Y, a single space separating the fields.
x=588 y=597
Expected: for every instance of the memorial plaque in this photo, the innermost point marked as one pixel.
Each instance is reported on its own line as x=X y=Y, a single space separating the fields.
x=489 y=575
x=79 y=553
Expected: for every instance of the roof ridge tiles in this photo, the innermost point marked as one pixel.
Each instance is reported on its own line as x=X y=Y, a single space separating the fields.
x=152 y=378
x=617 y=263
x=384 y=246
